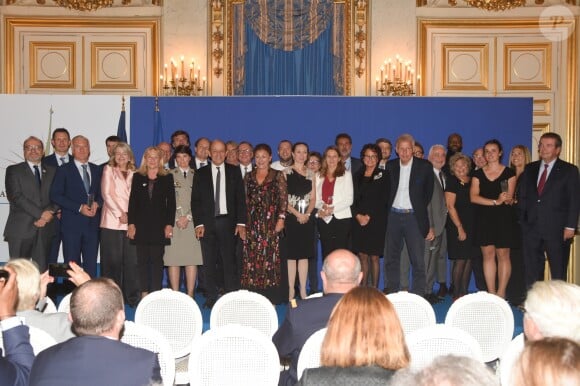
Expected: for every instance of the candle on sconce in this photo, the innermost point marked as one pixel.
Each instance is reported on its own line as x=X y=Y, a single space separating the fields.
x=198 y=72
x=418 y=84
x=182 y=67
x=191 y=72
x=203 y=86
x=172 y=62
x=377 y=84
x=161 y=83
x=388 y=67
x=382 y=73
x=165 y=73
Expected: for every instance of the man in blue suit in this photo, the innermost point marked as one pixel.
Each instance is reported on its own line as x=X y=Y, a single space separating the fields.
x=95 y=356
x=60 y=142
x=77 y=190
x=340 y=273
x=549 y=201
x=411 y=190
x=17 y=358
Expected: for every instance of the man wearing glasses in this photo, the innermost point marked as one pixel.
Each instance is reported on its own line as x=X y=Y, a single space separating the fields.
x=30 y=226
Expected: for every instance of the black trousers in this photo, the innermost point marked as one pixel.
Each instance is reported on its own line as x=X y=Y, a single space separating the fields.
x=220 y=242
x=119 y=262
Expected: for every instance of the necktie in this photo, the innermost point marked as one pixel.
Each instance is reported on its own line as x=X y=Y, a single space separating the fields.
x=217 y=192
x=245 y=170
x=37 y=174
x=86 y=178
x=184 y=174
x=442 y=180
x=62 y=160
x=543 y=178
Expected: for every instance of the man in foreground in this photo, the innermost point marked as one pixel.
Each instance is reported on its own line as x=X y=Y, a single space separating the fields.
x=96 y=356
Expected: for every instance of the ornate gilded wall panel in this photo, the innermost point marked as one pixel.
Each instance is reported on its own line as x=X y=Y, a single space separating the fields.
x=465 y=66
x=52 y=64
x=113 y=65
x=527 y=66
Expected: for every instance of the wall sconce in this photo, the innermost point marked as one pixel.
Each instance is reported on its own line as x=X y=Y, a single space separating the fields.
x=176 y=83
x=397 y=78
x=217 y=36
x=360 y=36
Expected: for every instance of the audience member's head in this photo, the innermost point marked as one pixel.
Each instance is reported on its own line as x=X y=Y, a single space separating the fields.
x=81 y=148
x=28 y=283
x=448 y=370
x=153 y=159
x=364 y=330
x=110 y=143
x=552 y=310
x=202 y=148
x=437 y=155
x=217 y=151
x=314 y=161
x=96 y=309
x=548 y=362
x=33 y=149
x=341 y=271
x=284 y=151
x=519 y=157
x=418 y=150
x=459 y=160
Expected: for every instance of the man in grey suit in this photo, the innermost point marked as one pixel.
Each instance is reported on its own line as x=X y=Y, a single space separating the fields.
x=436 y=249
x=29 y=227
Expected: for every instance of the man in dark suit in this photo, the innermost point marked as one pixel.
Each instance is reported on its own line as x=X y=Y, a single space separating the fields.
x=343 y=142
x=96 y=357
x=549 y=202
x=341 y=272
x=411 y=191
x=60 y=142
x=17 y=356
x=30 y=226
x=77 y=190
x=218 y=203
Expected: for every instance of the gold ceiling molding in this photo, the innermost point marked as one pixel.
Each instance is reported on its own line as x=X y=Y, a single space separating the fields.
x=85 y=5
x=496 y=5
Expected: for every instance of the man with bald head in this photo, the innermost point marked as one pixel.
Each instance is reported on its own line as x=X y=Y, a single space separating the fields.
x=218 y=202
x=341 y=272
x=96 y=356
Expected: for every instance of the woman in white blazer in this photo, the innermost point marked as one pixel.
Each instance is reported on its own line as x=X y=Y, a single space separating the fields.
x=333 y=201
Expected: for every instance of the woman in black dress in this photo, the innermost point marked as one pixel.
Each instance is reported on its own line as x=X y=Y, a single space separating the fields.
x=492 y=190
x=460 y=247
x=299 y=223
x=151 y=217
x=369 y=210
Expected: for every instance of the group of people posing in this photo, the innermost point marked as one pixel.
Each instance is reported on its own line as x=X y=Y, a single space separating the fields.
x=235 y=219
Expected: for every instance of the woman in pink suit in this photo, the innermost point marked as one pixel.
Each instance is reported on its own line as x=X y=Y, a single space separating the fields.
x=118 y=255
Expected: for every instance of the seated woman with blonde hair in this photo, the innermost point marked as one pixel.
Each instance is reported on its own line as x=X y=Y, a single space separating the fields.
x=548 y=362
x=364 y=343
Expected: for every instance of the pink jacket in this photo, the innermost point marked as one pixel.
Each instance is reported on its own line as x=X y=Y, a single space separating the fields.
x=115 y=190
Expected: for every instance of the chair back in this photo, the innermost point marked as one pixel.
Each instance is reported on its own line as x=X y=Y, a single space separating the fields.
x=428 y=343
x=64 y=305
x=486 y=317
x=50 y=307
x=149 y=339
x=310 y=354
x=413 y=311
x=245 y=308
x=234 y=355
x=509 y=358
x=175 y=315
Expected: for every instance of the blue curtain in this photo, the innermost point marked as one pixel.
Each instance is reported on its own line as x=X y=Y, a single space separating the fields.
x=306 y=71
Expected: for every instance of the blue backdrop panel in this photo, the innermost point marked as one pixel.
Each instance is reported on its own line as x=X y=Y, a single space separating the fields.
x=316 y=120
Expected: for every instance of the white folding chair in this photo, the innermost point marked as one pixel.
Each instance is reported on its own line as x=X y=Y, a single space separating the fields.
x=178 y=318
x=64 y=305
x=509 y=358
x=430 y=342
x=234 y=355
x=147 y=338
x=50 y=307
x=40 y=340
x=246 y=309
x=486 y=317
x=413 y=310
x=310 y=354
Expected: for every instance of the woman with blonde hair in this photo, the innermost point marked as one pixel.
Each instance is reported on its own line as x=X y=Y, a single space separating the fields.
x=151 y=217
x=364 y=343
x=548 y=362
x=118 y=255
